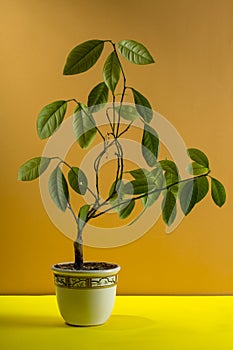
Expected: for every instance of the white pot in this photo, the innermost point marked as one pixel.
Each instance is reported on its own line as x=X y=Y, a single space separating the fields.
x=85 y=297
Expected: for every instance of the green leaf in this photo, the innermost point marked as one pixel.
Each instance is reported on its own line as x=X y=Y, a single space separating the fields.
x=150 y=145
x=126 y=209
x=188 y=196
x=116 y=193
x=127 y=112
x=198 y=157
x=157 y=183
x=169 y=166
x=111 y=71
x=77 y=180
x=136 y=187
x=139 y=173
x=169 y=208
x=202 y=187
x=98 y=97
x=84 y=127
x=58 y=189
x=83 y=57
x=171 y=175
x=150 y=199
x=134 y=52
x=82 y=216
x=33 y=168
x=50 y=118
x=170 y=179
x=196 y=169
x=218 y=192
x=143 y=106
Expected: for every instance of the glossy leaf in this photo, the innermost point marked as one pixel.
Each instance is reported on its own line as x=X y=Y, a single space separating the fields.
x=58 y=189
x=150 y=145
x=218 y=192
x=50 y=118
x=196 y=169
x=134 y=52
x=127 y=112
x=77 y=180
x=188 y=196
x=143 y=106
x=98 y=97
x=136 y=187
x=169 y=165
x=33 y=168
x=83 y=57
x=82 y=216
x=84 y=127
x=198 y=157
x=157 y=180
x=172 y=179
x=202 y=187
x=169 y=208
x=111 y=71
x=116 y=193
x=126 y=209
x=139 y=173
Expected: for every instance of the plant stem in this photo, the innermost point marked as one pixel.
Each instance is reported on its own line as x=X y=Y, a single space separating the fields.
x=78 y=254
x=124 y=87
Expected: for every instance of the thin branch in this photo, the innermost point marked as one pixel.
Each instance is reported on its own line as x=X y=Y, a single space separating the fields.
x=72 y=212
x=148 y=193
x=126 y=129
x=110 y=123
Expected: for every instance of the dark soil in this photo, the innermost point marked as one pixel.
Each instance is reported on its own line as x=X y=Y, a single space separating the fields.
x=89 y=266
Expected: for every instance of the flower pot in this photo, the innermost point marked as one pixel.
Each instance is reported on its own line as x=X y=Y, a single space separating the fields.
x=86 y=297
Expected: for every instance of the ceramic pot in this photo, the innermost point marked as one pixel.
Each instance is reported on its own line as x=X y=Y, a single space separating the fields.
x=85 y=297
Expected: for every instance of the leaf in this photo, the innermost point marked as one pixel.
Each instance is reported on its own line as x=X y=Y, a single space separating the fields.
x=33 y=168
x=77 y=180
x=170 y=179
x=84 y=127
x=150 y=145
x=198 y=156
x=83 y=57
x=218 y=192
x=136 y=187
x=202 y=187
x=150 y=199
x=155 y=178
x=111 y=71
x=188 y=196
x=134 y=52
x=196 y=169
x=98 y=97
x=116 y=193
x=50 y=118
x=58 y=189
x=127 y=112
x=169 y=208
x=126 y=209
x=143 y=106
x=82 y=216
x=169 y=165
x=139 y=173
x=171 y=175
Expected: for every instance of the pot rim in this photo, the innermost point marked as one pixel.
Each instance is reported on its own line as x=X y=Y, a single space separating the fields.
x=59 y=270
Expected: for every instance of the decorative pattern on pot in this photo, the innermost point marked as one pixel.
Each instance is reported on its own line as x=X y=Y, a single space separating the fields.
x=85 y=282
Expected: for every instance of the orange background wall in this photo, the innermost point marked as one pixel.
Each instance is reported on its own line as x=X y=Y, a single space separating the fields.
x=191 y=85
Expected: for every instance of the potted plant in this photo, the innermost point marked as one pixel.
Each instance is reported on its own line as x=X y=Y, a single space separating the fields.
x=86 y=290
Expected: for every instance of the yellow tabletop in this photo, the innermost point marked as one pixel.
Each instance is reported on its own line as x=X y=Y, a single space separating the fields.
x=137 y=322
